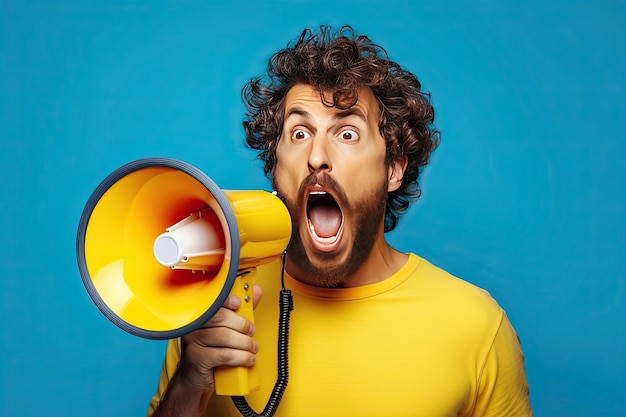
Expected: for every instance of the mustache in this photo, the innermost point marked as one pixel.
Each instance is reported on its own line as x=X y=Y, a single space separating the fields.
x=324 y=180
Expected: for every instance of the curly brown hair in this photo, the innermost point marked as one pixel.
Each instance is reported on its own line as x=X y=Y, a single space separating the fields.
x=340 y=62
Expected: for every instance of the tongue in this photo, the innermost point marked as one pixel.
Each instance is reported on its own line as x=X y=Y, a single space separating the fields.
x=325 y=219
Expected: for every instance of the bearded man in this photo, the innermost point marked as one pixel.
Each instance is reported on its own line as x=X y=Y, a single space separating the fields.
x=344 y=133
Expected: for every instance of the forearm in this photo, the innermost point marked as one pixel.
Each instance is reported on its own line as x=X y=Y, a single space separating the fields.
x=180 y=400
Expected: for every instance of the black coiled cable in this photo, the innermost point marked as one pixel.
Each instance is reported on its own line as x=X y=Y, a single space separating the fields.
x=286 y=306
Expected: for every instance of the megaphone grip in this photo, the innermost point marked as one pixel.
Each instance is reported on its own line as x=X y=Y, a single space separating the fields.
x=239 y=380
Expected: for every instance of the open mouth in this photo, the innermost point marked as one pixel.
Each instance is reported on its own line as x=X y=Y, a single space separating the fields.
x=325 y=219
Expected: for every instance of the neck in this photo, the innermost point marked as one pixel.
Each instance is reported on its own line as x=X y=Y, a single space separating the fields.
x=382 y=262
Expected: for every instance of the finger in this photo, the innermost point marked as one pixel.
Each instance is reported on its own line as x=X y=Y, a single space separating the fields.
x=197 y=362
x=214 y=356
x=223 y=337
x=257 y=293
x=227 y=318
x=232 y=302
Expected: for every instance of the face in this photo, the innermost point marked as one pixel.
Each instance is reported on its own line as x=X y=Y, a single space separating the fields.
x=332 y=175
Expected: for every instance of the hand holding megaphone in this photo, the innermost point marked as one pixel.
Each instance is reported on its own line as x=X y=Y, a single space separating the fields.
x=160 y=247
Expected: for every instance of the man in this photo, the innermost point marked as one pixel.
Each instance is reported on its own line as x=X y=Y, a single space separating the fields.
x=344 y=134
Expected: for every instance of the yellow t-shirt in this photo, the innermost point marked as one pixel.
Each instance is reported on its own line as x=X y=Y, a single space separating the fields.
x=420 y=343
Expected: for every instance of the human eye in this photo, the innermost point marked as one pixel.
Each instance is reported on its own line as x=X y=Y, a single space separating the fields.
x=300 y=134
x=349 y=135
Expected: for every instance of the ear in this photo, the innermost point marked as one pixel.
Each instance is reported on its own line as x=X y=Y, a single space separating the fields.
x=396 y=173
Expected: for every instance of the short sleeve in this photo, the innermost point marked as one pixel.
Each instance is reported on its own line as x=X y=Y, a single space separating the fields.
x=502 y=386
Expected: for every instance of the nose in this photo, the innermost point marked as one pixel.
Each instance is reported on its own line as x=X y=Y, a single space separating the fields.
x=319 y=159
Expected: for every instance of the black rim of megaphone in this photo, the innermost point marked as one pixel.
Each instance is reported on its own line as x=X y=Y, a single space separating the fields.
x=233 y=231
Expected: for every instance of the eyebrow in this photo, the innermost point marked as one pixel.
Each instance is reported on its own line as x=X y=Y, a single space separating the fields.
x=342 y=114
x=297 y=111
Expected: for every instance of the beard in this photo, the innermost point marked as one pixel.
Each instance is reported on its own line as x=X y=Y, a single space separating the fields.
x=363 y=216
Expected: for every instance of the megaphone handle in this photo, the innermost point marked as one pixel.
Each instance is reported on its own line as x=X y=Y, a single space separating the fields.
x=240 y=380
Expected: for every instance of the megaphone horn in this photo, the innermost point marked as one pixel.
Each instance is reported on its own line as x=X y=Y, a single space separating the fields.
x=160 y=246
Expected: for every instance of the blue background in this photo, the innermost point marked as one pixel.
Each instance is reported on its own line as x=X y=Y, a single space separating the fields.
x=525 y=196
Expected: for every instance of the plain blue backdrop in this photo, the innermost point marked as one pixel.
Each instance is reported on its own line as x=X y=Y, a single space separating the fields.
x=525 y=196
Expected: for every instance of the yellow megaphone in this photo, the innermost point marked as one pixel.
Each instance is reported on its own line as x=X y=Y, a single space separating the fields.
x=160 y=247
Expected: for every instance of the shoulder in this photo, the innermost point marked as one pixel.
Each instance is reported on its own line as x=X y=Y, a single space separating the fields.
x=454 y=301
